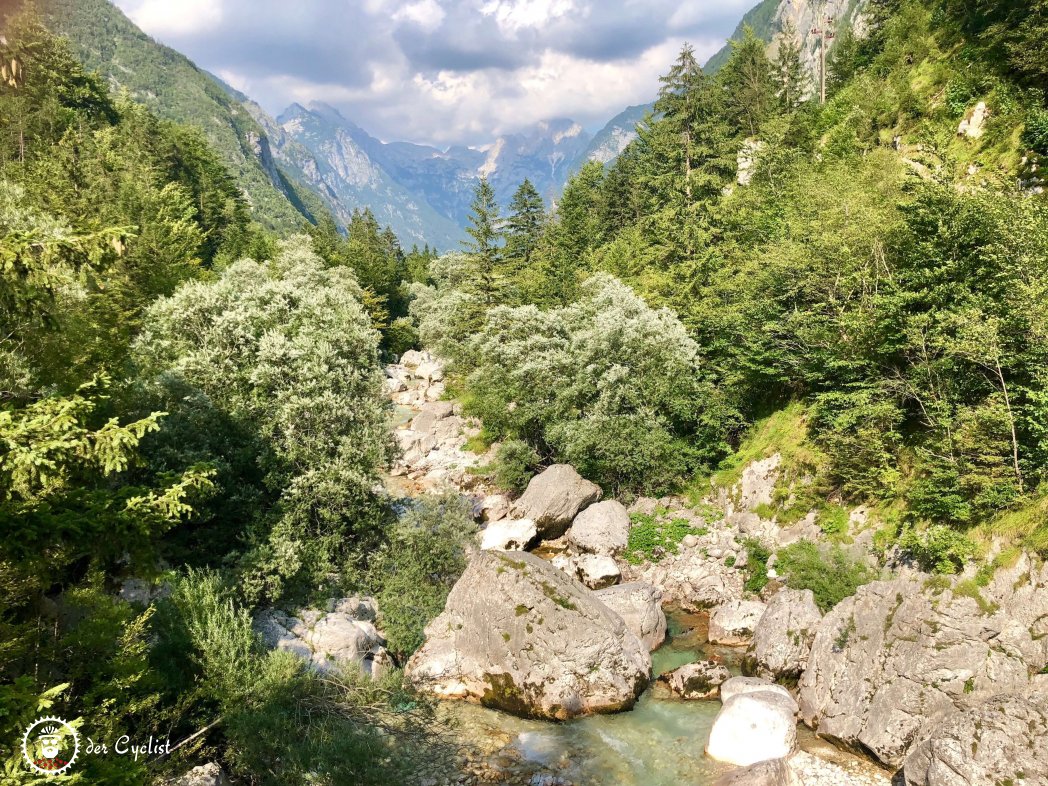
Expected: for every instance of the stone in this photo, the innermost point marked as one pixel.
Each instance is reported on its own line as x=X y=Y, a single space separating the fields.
x=596 y=571
x=999 y=741
x=431 y=371
x=602 y=528
x=494 y=507
x=210 y=774
x=330 y=639
x=554 y=498
x=974 y=124
x=733 y=623
x=691 y=580
x=784 y=635
x=774 y=772
x=757 y=486
x=413 y=358
x=508 y=535
x=700 y=680
x=519 y=635
x=738 y=686
x=746 y=161
x=904 y=652
x=752 y=727
x=640 y=606
x=804 y=769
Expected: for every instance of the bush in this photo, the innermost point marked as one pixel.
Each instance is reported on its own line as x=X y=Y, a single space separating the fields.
x=757 y=556
x=651 y=538
x=938 y=548
x=287 y=351
x=828 y=572
x=515 y=464
x=415 y=569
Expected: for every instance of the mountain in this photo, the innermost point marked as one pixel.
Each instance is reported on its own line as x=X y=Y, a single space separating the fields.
x=423 y=192
x=107 y=41
x=611 y=140
x=769 y=18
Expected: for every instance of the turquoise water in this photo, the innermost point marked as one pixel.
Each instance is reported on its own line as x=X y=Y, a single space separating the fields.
x=658 y=743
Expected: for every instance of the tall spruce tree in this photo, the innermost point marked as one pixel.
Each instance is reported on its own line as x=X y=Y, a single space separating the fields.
x=484 y=250
x=749 y=83
x=524 y=225
x=791 y=77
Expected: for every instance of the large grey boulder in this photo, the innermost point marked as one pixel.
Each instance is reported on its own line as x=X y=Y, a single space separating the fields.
x=700 y=680
x=733 y=623
x=554 y=498
x=519 y=635
x=1000 y=741
x=602 y=528
x=752 y=727
x=640 y=606
x=775 y=772
x=595 y=571
x=802 y=769
x=901 y=653
x=329 y=639
x=784 y=635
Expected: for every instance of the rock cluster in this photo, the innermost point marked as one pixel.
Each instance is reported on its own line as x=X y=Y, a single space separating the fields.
x=329 y=639
x=700 y=680
x=783 y=636
x=554 y=498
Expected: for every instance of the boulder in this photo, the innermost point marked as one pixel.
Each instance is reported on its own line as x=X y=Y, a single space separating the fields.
x=209 y=774
x=329 y=639
x=691 y=580
x=554 y=498
x=738 y=686
x=700 y=680
x=752 y=727
x=973 y=125
x=602 y=528
x=494 y=507
x=596 y=571
x=775 y=772
x=640 y=606
x=901 y=653
x=431 y=371
x=508 y=535
x=733 y=623
x=803 y=769
x=784 y=635
x=521 y=636
x=412 y=359
x=999 y=741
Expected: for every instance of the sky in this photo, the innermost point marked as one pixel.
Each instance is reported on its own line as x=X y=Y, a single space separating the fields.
x=442 y=71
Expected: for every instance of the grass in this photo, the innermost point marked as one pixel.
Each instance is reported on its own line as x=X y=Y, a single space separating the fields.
x=652 y=538
x=1026 y=527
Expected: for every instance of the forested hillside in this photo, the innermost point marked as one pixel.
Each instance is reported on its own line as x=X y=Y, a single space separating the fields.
x=871 y=258
x=195 y=423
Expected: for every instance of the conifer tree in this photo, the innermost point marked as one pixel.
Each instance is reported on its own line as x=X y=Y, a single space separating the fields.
x=524 y=225
x=749 y=84
x=485 y=231
x=791 y=78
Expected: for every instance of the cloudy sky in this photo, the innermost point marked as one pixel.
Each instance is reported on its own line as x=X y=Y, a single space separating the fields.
x=442 y=71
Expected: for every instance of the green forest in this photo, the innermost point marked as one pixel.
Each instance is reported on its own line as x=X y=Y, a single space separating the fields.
x=191 y=397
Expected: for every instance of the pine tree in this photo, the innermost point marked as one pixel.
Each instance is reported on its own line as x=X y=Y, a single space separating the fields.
x=677 y=102
x=484 y=250
x=749 y=84
x=791 y=77
x=524 y=225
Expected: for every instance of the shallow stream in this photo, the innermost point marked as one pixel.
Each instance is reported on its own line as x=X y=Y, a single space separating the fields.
x=658 y=743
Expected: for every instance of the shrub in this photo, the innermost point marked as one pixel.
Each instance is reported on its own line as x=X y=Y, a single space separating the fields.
x=415 y=569
x=830 y=573
x=757 y=556
x=938 y=548
x=652 y=538
x=515 y=464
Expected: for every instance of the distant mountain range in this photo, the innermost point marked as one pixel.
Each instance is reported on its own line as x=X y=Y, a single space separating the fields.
x=312 y=158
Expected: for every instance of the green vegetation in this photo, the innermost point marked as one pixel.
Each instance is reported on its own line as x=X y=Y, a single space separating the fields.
x=515 y=464
x=653 y=537
x=188 y=401
x=829 y=572
x=756 y=567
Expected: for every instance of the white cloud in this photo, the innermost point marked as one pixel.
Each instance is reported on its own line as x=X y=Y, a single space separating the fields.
x=427 y=14
x=162 y=18
x=514 y=15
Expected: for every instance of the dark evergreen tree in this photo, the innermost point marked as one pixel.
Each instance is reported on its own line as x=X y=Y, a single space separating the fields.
x=791 y=77
x=749 y=83
x=484 y=249
x=524 y=225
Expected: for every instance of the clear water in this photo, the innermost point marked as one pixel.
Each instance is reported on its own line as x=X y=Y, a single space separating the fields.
x=658 y=743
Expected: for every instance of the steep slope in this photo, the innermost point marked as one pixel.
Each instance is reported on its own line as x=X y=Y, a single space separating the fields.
x=611 y=140
x=172 y=86
x=769 y=18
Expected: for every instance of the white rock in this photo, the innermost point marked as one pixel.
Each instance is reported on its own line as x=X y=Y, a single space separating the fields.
x=739 y=686
x=603 y=528
x=494 y=507
x=733 y=623
x=508 y=535
x=753 y=727
x=640 y=606
x=597 y=571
